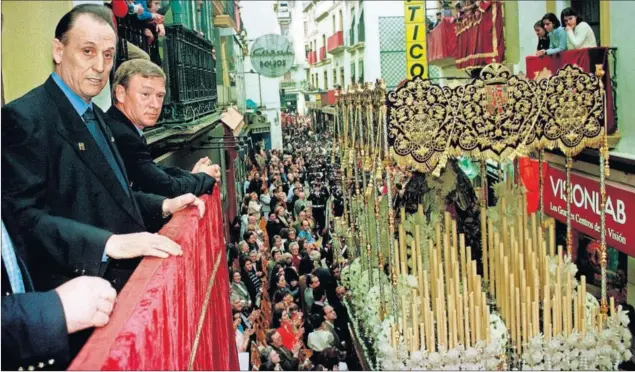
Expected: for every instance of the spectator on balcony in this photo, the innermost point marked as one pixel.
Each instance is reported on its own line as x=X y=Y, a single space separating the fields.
x=120 y=9
x=579 y=33
x=155 y=20
x=139 y=89
x=557 y=35
x=36 y=325
x=62 y=177
x=543 y=37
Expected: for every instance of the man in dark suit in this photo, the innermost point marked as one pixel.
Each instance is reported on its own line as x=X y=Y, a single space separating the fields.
x=62 y=177
x=139 y=89
x=288 y=358
x=36 y=325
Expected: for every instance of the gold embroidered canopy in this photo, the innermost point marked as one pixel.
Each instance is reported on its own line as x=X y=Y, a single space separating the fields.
x=496 y=116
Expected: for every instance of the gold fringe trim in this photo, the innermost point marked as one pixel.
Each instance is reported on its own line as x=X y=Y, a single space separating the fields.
x=201 y=319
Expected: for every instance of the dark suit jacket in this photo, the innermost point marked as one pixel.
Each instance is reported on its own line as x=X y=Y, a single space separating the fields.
x=144 y=174
x=33 y=324
x=59 y=187
x=287 y=361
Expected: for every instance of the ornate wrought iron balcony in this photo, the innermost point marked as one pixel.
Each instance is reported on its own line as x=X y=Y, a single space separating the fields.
x=191 y=77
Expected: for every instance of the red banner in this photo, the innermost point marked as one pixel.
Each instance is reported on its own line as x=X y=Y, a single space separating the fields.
x=173 y=314
x=585 y=207
x=442 y=41
x=480 y=36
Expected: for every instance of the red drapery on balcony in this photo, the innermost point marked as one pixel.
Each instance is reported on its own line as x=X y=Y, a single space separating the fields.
x=322 y=55
x=442 y=41
x=173 y=314
x=479 y=36
x=586 y=59
x=335 y=40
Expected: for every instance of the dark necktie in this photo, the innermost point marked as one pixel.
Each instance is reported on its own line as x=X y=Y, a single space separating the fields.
x=98 y=135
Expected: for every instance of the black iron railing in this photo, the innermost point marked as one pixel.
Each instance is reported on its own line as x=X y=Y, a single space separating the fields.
x=131 y=30
x=189 y=66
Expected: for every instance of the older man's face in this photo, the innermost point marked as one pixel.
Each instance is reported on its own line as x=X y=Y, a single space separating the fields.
x=85 y=60
x=142 y=101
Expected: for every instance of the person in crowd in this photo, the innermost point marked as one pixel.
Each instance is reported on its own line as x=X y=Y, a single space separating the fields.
x=579 y=33
x=291 y=237
x=321 y=338
x=36 y=325
x=543 y=37
x=294 y=248
x=265 y=201
x=319 y=301
x=242 y=335
x=272 y=361
x=138 y=91
x=256 y=261
x=254 y=206
x=252 y=281
x=290 y=330
x=291 y=274
x=305 y=233
x=330 y=316
x=239 y=290
x=288 y=357
x=63 y=178
x=282 y=288
x=557 y=35
x=255 y=185
x=300 y=203
x=251 y=237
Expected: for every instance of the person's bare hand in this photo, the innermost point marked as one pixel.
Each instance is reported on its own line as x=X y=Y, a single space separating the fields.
x=183 y=201
x=212 y=170
x=87 y=301
x=540 y=52
x=199 y=163
x=157 y=18
x=141 y=244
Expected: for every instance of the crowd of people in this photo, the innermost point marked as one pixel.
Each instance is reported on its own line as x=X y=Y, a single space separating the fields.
x=285 y=293
x=567 y=33
x=82 y=197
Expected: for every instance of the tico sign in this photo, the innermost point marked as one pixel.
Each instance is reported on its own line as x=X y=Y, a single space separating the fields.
x=585 y=208
x=272 y=55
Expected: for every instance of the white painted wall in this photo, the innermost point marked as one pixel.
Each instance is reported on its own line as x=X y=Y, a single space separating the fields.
x=529 y=12
x=260 y=19
x=372 y=11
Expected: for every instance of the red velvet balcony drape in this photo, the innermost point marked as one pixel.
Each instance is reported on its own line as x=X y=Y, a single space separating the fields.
x=442 y=41
x=173 y=314
x=479 y=36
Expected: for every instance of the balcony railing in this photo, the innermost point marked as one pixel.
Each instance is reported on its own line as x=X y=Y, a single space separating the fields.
x=322 y=54
x=131 y=30
x=191 y=291
x=312 y=57
x=189 y=66
x=335 y=42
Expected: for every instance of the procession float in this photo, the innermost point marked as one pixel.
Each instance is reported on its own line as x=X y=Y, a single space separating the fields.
x=433 y=289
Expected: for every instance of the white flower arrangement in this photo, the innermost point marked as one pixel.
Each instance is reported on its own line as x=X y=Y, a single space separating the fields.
x=595 y=350
x=570 y=269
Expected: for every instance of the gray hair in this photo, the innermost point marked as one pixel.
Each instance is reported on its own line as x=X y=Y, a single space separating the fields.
x=135 y=67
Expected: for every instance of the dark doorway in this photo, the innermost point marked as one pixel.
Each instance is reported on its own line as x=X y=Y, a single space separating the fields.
x=590 y=11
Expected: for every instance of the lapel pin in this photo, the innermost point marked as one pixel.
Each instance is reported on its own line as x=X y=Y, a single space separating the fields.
x=112 y=139
x=81 y=146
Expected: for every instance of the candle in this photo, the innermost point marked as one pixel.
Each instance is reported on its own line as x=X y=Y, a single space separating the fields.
x=612 y=305
x=459 y=319
x=503 y=215
x=486 y=319
x=492 y=258
x=437 y=229
x=518 y=318
x=402 y=250
x=404 y=320
x=546 y=312
x=422 y=340
x=454 y=235
x=583 y=302
x=552 y=239
x=415 y=321
x=463 y=254
x=467 y=318
x=511 y=317
x=431 y=334
x=568 y=305
x=485 y=253
x=477 y=313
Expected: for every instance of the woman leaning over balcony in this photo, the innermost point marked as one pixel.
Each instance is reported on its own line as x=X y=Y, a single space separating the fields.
x=579 y=33
x=557 y=35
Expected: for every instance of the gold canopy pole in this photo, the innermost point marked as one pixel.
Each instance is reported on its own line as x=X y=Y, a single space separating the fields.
x=604 y=172
x=381 y=93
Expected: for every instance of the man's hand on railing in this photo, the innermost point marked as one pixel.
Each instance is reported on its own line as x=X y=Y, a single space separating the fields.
x=141 y=244
x=171 y=206
x=87 y=302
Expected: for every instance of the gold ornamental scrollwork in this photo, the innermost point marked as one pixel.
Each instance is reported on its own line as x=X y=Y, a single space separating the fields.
x=573 y=114
x=420 y=116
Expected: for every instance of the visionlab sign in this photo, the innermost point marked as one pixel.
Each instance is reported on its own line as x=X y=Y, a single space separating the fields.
x=272 y=55
x=585 y=207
